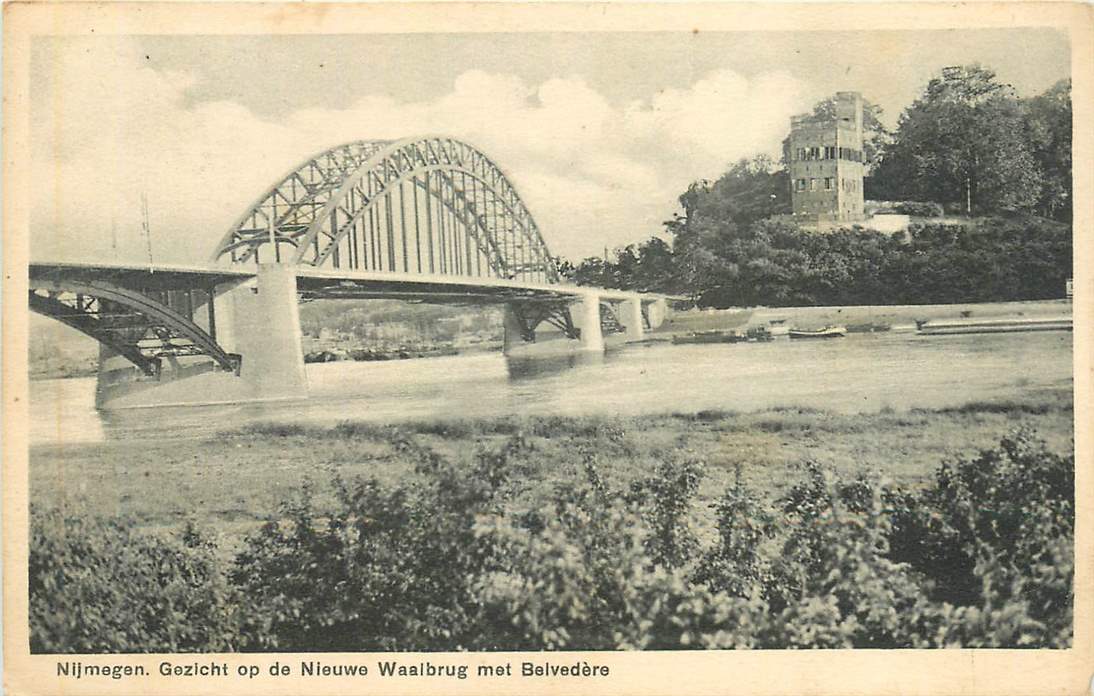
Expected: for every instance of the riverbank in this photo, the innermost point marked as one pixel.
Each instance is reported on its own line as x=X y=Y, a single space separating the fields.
x=234 y=480
x=368 y=354
x=892 y=316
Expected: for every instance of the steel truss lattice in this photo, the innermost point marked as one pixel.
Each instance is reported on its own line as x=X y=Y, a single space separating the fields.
x=431 y=205
x=144 y=327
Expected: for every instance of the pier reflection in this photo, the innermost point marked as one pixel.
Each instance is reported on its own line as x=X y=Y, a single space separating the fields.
x=532 y=367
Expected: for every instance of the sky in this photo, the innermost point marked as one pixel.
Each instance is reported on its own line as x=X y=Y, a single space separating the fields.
x=600 y=133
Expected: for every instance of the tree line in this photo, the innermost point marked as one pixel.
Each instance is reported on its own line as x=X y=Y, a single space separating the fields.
x=969 y=145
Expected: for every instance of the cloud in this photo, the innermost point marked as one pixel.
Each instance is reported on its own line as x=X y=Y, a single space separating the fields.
x=595 y=174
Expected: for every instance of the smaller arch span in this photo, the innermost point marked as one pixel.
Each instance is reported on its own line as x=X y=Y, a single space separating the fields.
x=132 y=324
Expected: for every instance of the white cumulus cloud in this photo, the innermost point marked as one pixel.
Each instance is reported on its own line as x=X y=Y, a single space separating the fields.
x=595 y=174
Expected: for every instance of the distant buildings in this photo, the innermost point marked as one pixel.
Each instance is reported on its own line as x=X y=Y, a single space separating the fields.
x=826 y=164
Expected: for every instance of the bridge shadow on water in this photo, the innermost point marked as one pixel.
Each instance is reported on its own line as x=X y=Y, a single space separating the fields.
x=525 y=367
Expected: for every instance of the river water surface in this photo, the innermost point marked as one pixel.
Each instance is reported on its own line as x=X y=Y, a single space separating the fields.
x=860 y=373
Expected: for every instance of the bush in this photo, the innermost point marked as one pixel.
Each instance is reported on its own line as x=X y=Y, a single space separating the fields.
x=457 y=558
x=100 y=586
x=734 y=564
x=913 y=208
x=664 y=500
x=1004 y=511
x=388 y=569
x=919 y=209
x=583 y=577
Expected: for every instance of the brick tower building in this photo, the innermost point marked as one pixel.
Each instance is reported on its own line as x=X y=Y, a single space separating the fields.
x=826 y=166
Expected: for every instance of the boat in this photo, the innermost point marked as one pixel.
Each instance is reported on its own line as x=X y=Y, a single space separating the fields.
x=868 y=327
x=826 y=332
x=710 y=337
x=759 y=334
x=944 y=328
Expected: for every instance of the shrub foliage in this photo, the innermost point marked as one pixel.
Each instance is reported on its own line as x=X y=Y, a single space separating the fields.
x=99 y=586
x=459 y=559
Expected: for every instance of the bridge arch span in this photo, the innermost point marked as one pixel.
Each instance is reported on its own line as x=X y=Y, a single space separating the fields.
x=142 y=326
x=423 y=205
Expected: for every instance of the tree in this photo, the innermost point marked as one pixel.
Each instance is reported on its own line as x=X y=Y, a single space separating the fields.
x=750 y=190
x=963 y=142
x=1048 y=119
x=564 y=268
x=593 y=271
x=656 y=266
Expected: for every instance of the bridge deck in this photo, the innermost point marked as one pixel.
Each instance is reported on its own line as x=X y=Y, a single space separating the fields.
x=145 y=277
x=322 y=283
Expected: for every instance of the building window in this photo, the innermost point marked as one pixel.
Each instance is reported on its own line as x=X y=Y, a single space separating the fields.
x=812 y=184
x=850 y=154
x=801 y=184
x=830 y=153
x=827 y=183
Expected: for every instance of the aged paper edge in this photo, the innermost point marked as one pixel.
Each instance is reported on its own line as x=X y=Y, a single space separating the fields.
x=758 y=672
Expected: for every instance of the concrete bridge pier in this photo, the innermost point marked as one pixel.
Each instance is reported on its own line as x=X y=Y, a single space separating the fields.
x=656 y=312
x=258 y=319
x=513 y=332
x=263 y=325
x=630 y=316
x=588 y=320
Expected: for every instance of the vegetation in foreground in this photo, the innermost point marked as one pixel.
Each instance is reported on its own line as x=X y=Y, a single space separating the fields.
x=482 y=554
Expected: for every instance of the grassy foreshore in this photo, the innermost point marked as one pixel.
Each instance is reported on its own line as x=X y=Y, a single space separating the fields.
x=231 y=482
x=879 y=315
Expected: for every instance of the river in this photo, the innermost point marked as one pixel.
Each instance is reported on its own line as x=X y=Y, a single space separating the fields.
x=860 y=373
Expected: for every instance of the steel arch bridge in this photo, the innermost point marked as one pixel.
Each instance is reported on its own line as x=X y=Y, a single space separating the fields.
x=429 y=205
x=422 y=219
